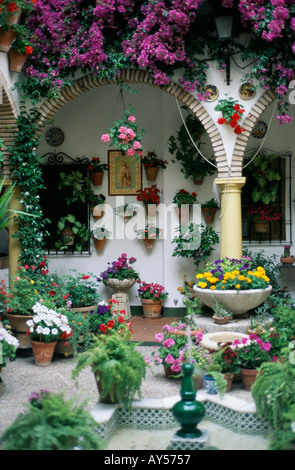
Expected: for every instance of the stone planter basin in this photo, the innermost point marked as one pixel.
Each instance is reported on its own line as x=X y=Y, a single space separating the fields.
x=210 y=340
x=120 y=285
x=238 y=302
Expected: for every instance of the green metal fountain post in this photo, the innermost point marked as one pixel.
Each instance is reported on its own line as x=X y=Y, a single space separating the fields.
x=188 y=411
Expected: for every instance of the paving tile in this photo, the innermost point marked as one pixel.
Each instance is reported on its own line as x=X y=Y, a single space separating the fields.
x=145 y=328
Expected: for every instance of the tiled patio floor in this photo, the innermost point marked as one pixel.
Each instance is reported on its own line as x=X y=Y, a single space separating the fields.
x=145 y=328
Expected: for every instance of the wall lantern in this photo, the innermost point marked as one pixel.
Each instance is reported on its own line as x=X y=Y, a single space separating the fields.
x=224 y=27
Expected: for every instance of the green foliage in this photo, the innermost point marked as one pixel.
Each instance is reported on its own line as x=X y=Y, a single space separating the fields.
x=78 y=185
x=81 y=233
x=193 y=165
x=81 y=338
x=267 y=179
x=54 y=423
x=195 y=242
x=115 y=361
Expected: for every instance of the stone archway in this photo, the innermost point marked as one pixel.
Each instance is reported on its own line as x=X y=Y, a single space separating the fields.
x=89 y=82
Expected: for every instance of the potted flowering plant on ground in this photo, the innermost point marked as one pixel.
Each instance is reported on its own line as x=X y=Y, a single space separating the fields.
x=228 y=359
x=287 y=258
x=124 y=135
x=80 y=290
x=149 y=234
x=152 y=296
x=171 y=349
x=45 y=328
x=252 y=353
x=8 y=346
x=150 y=197
x=106 y=317
x=151 y=164
x=232 y=114
x=96 y=170
x=117 y=366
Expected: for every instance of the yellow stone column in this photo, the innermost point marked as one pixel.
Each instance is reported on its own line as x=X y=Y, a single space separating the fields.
x=14 y=246
x=231 y=216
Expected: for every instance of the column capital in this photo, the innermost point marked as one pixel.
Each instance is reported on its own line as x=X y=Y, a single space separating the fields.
x=231 y=184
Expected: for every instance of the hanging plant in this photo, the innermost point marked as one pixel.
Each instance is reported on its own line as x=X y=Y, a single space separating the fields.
x=232 y=113
x=124 y=135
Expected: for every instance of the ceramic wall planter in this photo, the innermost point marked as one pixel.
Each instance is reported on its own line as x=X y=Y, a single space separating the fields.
x=149 y=243
x=97 y=212
x=183 y=214
x=209 y=214
x=19 y=327
x=151 y=210
x=199 y=180
x=99 y=243
x=97 y=178
x=151 y=308
x=151 y=173
x=43 y=352
x=16 y=60
x=6 y=39
x=238 y=302
x=261 y=227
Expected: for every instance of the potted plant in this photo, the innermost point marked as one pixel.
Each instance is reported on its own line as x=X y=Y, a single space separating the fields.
x=209 y=209
x=252 y=353
x=124 y=135
x=171 y=350
x=287 y=258
x=151 y=198
x=100 y=235
x=152 y=296
x=80 y=339
x=151 y=164
x=126 y=211
x=8 y=346
x=50 y=422
x=214 y=380
x=195 y=241
x=73 y=233
x=263 y=215
x=120 y=270
x=9 y=17
x=96 y=170
x=117 y=366
x=149 y=234
x=96 y=202
x=232 y=113
x=238 y=285
x=107 y=317
x=80 y=291
x=45 y=328
x=227 y=359
x=221 y=314
x=194 y=167
x=184 y=200
x=20 y=50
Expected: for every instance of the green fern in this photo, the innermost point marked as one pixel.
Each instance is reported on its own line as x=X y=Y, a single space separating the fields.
x=57 y=424
x=115 y=362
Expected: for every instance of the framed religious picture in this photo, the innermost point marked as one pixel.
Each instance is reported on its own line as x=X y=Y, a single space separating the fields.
x=125 y=174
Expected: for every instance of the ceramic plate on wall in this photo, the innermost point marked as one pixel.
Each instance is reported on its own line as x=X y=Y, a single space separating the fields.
x=54 y=137
x=247 y=91
x=259 y=130
x=214 y=93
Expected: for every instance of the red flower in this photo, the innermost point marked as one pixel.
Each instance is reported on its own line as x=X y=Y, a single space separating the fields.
x=103 y=328
x=121 y=319
x=86 y=276
x=221 y=121
x=29 y=50
x=12 y=7
x=238 y=130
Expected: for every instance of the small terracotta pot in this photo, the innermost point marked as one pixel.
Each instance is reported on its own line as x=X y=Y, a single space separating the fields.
x=149 y=243
x=151 y=308
x=151 y=210
x=199 y=180
x=6 y=39
x=249 y=377
x=16 y=60
x=229 y=379
x=287 y=260
x=43 y=352
x=262 y=227
x=19 y=327
x=183 y=214
x=107 y=399
x=209 y=214
x=221 y=321
x=97 y=212
x=151 y=173
x=99 y=243
x=97 y=178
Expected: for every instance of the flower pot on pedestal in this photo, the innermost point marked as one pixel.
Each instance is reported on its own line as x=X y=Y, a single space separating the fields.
x=121 y=287
x=287 y=260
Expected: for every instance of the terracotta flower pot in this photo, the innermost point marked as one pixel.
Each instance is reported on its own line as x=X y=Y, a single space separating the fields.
x=151 y=210
x=19 y=327
x=43 y=352
x=97 y=212
x=99 y=243
x=249 y=377
x=6 y=39
x=107 y=399
x=183 y=213
x=16 y=60
x=287 y=260
x=151 y=308
x=229 y=379
x=209 y=214
x=261 y=227
x=199 y=180
x=149 y=243
x=221 y=321
x=151 y=173
x=84 y=310
x=97 y=178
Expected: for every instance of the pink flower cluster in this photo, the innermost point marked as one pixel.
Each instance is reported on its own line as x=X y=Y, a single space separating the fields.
x=153 y=291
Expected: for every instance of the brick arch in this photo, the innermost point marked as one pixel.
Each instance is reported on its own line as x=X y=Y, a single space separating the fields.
x=89 y=82
x=242 y=140
x=8 y=122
